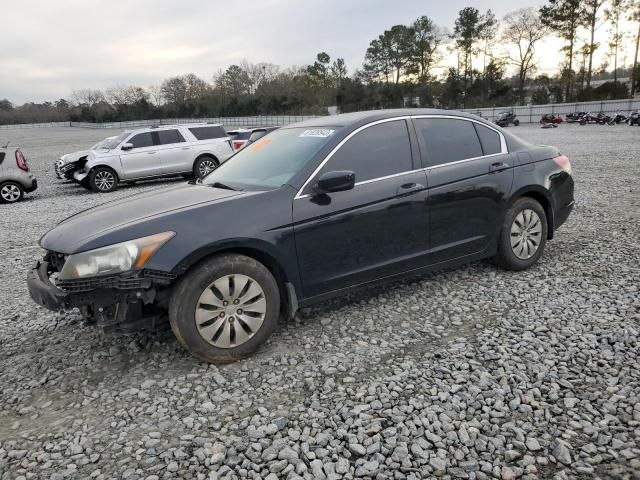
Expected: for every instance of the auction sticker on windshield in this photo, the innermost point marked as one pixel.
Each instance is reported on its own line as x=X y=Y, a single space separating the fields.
x=317 y=133
x=260 y=144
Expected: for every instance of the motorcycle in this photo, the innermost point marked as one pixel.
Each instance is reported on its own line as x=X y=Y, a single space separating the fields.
x=549 y=119
x=600 y=119
x=634 y=118
x=505 y=118
x=575 y=117
x=619 y=118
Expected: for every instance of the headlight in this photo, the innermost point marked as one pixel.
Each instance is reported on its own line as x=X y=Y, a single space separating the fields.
x=118 y=258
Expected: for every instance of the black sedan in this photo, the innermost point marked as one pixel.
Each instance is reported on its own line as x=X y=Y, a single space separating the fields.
x=310 y=211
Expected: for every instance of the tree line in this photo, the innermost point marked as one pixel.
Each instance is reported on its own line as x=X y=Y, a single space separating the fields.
x=403 y=66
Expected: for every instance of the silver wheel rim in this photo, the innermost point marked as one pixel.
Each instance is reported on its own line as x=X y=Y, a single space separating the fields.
x=206 y=167
x=10 y=193
x=526 y=234
x=230 y=311
x=104 y=180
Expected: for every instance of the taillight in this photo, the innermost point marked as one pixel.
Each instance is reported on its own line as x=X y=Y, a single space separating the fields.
x=21 y=162
x=238 y=144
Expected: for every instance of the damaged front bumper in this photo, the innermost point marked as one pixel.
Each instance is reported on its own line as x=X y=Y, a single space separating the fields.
x=109 y=300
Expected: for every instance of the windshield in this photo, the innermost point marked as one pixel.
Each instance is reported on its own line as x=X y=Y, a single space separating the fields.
x=273 y=160
x=110 y=143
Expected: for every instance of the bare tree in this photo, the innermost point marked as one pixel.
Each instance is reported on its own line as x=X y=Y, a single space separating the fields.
x=87 y=96
x=523 y=28
x=488 y=31
x=155 y=95
x=125 y=95
x=258 y=73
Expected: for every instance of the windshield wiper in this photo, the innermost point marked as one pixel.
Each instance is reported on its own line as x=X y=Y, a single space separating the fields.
x=222 y=185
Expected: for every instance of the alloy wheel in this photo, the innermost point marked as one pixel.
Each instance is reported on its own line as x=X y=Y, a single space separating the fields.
x=10 y=193
x=526 y=234
x=230 y=311
x=104 y=180
x=206 y=167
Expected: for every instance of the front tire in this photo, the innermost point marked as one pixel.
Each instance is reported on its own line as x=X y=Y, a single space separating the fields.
x=516 y=122
x=523 y=235
x=225 y=308
x=11 y=192
x=103 y=180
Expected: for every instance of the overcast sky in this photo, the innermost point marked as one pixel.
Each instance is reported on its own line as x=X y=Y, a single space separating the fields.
x=50 y=47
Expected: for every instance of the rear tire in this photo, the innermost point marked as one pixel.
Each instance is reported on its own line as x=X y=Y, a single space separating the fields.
x=103 y=180
x=204 y=165
x=516 y=122
x=523 y=235
x=225 y=308
x=11 y=192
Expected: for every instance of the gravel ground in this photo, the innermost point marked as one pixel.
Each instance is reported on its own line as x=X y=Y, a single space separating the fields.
x=470 y=373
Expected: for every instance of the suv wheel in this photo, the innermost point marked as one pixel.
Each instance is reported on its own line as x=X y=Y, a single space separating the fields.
x=225 y=308
x=11 y=192
x=523 y=235
x=103 y=179
x=204 y=166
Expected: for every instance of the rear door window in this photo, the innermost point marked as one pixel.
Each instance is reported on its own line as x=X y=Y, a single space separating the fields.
x=448 y=140
x=168 y=137
x=489 y=139
x=375 y=152
x=208 y=133
x=142 y=140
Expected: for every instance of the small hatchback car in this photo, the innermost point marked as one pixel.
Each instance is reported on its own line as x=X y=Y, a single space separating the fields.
x=169 y=150
x=312 y=210
x=15 y=176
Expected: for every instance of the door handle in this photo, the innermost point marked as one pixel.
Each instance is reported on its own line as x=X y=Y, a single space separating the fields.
x=151 y=153
x=409 y=188
x=498 y=167
x=186 y=148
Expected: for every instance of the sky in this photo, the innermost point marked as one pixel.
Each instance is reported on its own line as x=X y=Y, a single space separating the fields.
x=51 y=47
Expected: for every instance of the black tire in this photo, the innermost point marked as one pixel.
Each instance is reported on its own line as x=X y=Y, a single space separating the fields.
x=11 y=192
x=186 y=295
x=103 y=180
x=516 y=122
x=506 y=257
x=199 y=170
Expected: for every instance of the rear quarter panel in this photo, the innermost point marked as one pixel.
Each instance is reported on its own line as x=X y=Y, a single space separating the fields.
x=536 y=172
x=219 y=148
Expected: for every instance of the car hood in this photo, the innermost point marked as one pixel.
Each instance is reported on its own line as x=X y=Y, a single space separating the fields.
x=72 y=157
x=80 y=231
x=102 y=152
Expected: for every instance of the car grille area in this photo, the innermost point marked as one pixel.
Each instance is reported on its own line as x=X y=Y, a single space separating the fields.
x=139 y=280
x=115 y=282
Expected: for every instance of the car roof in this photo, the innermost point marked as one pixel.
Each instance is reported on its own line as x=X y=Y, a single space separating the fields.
x=155 y=128
x=348 y=119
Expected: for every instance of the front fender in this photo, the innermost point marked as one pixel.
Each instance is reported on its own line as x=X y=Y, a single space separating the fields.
x=263 y=251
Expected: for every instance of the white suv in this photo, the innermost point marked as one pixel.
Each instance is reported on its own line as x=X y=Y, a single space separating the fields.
x=169 y=150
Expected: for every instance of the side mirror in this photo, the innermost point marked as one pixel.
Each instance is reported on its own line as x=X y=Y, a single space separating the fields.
x=337 y=181
x=126 y=146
